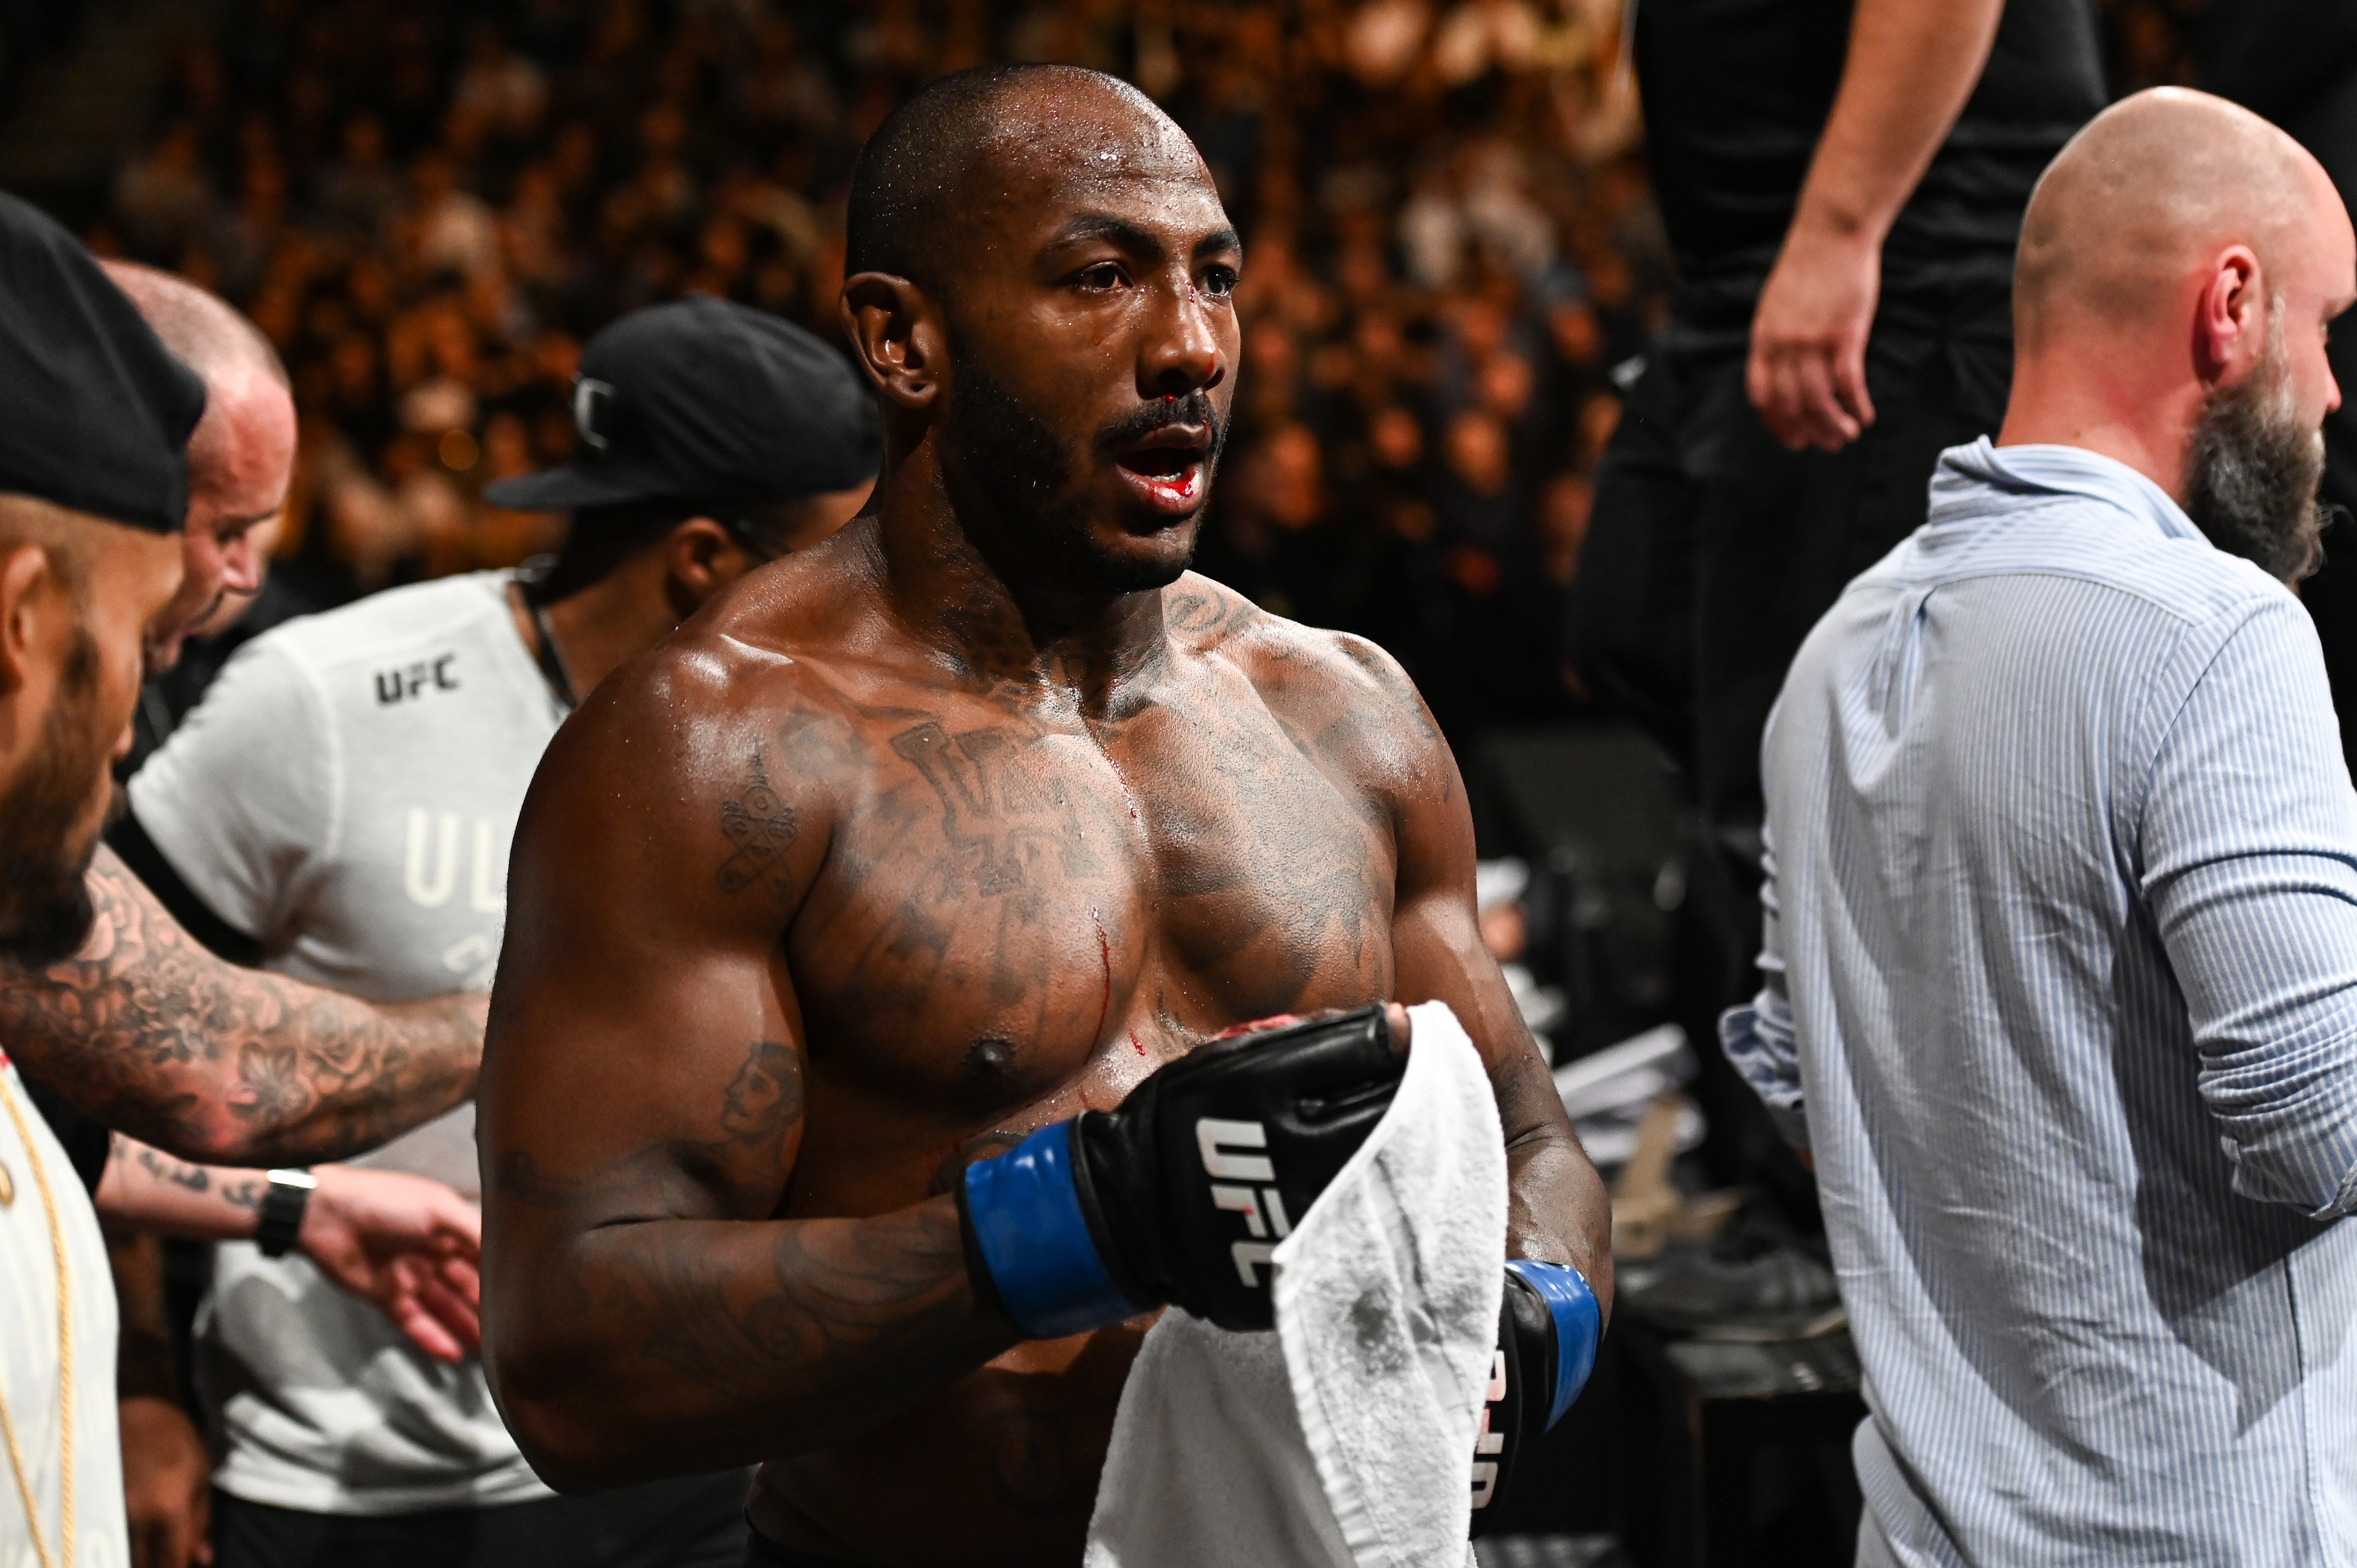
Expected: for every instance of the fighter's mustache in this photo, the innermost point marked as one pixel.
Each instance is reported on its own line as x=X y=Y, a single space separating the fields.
x=1132 y=430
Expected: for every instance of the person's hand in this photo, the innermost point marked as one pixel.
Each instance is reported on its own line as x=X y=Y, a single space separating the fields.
x=167 y=1481
x=1807 y=371
x=1548 y=1326
x=1180 y=1195
x=409 y=1247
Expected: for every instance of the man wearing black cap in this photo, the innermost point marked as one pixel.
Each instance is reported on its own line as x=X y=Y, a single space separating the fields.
x=94 y=422
x=344 y=796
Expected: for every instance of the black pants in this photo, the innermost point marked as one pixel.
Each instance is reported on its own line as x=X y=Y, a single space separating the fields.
x=760 y=1552
x=697 y=1521
x=1712 y=550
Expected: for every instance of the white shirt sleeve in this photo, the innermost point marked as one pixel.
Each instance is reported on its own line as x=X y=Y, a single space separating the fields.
x=242 y=800
x=1760 y=1039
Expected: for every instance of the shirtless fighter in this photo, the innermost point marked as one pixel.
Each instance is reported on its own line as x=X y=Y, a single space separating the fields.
x=847 y=930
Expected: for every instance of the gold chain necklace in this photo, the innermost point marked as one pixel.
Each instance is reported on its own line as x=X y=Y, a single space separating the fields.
x=65 y=1364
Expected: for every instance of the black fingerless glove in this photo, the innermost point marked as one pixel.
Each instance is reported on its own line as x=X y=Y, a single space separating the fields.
x=1549 y=1324
x=1182 y=1194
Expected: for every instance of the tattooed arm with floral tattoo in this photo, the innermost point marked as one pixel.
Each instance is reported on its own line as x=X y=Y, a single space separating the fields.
x=147 y=1032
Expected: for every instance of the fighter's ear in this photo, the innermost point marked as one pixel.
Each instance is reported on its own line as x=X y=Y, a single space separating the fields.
x=896 y=333
x=24 y=572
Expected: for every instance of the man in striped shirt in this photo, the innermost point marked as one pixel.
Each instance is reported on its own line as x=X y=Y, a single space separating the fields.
x=2060 y=959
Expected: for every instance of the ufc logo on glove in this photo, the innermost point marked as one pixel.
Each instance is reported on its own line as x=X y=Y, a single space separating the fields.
x=1264 y=1210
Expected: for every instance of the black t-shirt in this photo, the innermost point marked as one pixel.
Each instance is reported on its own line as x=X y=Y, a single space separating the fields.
x=2283 y=59
x=1736 y=92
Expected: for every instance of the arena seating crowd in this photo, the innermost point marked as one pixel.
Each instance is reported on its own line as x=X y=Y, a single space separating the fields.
x=429 y=206
x=1450 y=247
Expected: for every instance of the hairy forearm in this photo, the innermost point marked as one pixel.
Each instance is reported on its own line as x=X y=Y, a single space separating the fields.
x=147 y=1032
x=152 y=1190
x=655 y=1347
x=1910 y=69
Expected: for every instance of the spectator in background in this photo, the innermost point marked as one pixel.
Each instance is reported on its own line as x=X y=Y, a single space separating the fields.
x=1843 y=208
x=430 y=208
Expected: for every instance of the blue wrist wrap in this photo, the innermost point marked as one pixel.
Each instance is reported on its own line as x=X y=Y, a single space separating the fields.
x=1578 y=1323
x=1027 y=1219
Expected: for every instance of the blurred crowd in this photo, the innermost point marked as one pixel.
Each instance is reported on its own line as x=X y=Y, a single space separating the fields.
x=1449 y=246
x=1450 y=249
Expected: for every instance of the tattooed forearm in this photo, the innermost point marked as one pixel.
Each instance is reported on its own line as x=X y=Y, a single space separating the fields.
x=736 y=1341
x=655 y=1295
x=147 y=1189
x=147 y=1032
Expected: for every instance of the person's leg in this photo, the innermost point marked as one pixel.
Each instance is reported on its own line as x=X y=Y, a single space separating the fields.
x=256 y=1535
x=1629 y=611
x=1778 y=535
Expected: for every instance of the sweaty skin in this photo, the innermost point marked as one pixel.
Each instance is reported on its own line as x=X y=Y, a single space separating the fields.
x=906 y=847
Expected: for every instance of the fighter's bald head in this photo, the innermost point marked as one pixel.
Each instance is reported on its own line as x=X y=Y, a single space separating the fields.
x=945 y=161
x=2146 y=195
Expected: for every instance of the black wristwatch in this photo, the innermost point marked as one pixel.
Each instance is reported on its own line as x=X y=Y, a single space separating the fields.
x=283 y=1202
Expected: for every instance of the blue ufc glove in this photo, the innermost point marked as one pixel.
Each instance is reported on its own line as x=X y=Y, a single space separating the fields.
x=1547 y=1328
x=1181 y=1194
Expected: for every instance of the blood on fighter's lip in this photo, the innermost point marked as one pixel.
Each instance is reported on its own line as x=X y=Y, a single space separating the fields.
x=1176 y=491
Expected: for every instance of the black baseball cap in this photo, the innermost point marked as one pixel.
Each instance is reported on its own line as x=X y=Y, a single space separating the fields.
x=709 y=400
x=94 y=411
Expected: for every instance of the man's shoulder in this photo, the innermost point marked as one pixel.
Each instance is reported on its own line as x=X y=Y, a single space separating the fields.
x=733 y=684
x=2069 y=537
x=1345 y=690
x=1209 y=618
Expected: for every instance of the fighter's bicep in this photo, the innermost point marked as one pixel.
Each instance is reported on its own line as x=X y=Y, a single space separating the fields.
x=644 y=1023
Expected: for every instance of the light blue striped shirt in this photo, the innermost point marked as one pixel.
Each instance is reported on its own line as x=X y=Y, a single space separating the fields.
x=2060 y=970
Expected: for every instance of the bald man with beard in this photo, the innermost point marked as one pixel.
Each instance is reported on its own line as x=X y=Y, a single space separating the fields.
x=2062 y=957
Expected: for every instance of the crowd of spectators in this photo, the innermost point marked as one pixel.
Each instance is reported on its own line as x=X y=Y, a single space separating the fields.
x=1449 y=249
x=1449 y=246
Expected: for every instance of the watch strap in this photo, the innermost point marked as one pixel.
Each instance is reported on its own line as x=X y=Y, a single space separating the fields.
x=285 y=1196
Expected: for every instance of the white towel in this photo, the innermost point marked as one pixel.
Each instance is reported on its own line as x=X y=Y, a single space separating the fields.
x=1345 y=1439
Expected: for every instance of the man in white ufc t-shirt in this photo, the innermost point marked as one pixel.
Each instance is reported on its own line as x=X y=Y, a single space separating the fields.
x=345 y=796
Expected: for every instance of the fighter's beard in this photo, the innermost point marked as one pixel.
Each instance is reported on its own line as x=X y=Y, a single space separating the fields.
x=1023 y=479
x=2252 y=472
x=45 y=905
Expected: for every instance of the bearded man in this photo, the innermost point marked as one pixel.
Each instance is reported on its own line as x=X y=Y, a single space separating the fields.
x=2061 y=955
